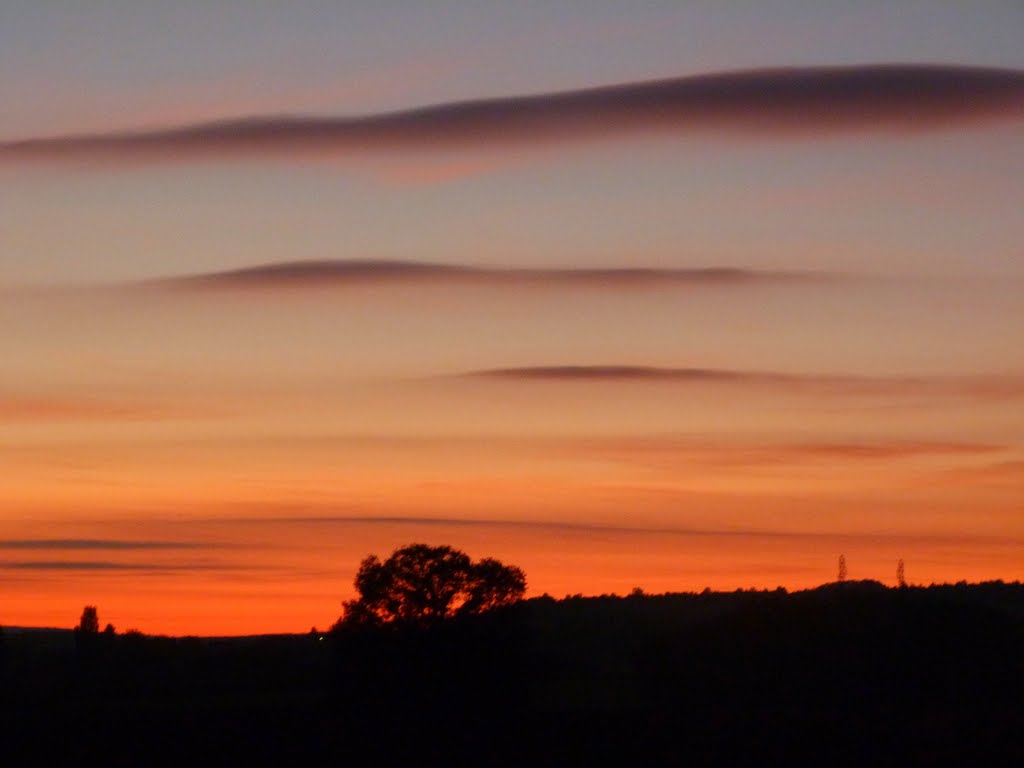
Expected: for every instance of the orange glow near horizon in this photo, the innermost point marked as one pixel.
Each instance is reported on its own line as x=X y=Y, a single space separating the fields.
x=250 y=514
x=242 y=536
x=285 y=576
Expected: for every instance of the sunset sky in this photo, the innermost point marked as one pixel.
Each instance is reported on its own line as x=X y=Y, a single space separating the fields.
x=675 y=296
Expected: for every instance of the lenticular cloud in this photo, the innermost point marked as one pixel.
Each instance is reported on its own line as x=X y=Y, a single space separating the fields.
x=756 y=103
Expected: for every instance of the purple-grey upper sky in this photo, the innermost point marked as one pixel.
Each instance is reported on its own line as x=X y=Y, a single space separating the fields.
x=875 y=202
x=74 y=65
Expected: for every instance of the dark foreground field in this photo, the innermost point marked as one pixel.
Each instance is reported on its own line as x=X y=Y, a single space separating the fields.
x=847 y=674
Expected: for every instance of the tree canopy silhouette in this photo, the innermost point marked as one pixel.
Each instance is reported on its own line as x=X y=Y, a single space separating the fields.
x=89 y=624
x=420 y=585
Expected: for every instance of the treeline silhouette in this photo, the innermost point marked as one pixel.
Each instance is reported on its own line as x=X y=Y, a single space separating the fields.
x=849 y=673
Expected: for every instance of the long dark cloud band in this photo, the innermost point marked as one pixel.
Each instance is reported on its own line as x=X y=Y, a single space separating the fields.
x=364 y=272
x=801 y=101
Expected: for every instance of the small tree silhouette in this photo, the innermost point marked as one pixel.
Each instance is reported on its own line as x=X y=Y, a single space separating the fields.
x=420 y=585
x=901 y=576
x=87 y=633
x=842 y=568
x=89 y=624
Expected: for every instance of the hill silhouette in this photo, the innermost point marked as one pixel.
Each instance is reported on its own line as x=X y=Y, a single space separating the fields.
x=849 y=673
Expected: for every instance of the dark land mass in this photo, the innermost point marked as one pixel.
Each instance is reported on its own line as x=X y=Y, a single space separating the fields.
x=850 y=673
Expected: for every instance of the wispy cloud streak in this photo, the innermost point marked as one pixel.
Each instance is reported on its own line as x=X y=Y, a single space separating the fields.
x=795 y=101
x=587 y=528
x=1006 y=474
x=303 y=274
x=47 y=409
x=108 y=565
x=761 y=452
x=980 y=387
x=97 y=544
x=889 y=450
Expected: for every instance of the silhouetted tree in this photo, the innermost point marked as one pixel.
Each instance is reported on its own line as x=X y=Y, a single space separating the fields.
x=87 y=633
x=89 y=624
x=842 y=568
x=420 y=585
x=901 y=577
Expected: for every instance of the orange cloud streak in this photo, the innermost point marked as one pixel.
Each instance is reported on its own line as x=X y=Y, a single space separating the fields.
x=31 y=410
